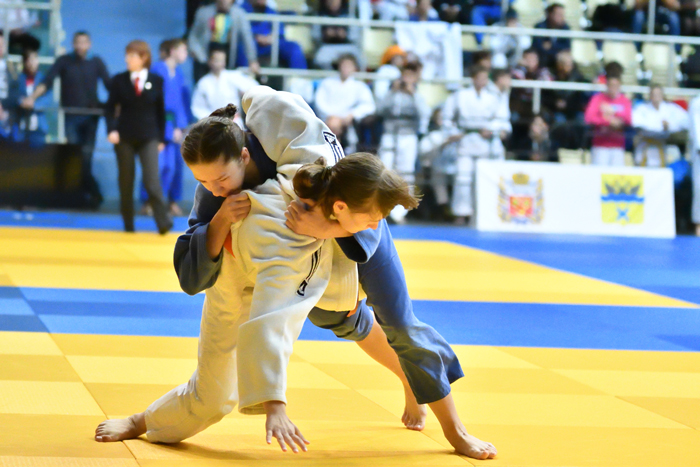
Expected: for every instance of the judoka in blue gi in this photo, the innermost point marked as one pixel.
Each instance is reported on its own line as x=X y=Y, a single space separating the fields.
x=177 y=116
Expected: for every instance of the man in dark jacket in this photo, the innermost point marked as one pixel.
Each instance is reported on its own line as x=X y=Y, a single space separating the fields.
x=548 y=47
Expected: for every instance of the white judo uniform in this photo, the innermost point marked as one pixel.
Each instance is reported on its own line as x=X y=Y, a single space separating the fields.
x=265 y=290
x=650 y=120
x=467 y=111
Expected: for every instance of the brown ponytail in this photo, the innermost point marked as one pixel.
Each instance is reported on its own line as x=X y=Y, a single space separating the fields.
x=213 y=138
x=360 y=180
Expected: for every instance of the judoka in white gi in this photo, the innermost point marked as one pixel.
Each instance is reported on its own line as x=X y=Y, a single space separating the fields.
x=342 y=101
x=656 y=121
x=476 y=112
x=405 y=115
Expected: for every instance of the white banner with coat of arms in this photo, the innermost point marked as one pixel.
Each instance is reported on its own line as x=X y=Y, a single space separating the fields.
x=590 y=200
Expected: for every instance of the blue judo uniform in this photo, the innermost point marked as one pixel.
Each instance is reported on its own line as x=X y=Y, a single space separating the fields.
x=177 y=99
x=426 y=358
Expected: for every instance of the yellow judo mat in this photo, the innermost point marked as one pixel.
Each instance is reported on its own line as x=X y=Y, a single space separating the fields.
x=550 y=407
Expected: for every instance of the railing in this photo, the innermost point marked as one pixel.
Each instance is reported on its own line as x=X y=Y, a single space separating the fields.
x=277 y=19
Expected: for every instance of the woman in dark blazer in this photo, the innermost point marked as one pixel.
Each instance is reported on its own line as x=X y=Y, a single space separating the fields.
x=135 y=117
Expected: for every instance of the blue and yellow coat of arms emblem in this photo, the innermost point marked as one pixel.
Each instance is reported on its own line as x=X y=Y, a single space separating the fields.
x=520 y=200
x=622 y=199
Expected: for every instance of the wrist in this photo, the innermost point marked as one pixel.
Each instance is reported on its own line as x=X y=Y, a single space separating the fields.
x=274 y=407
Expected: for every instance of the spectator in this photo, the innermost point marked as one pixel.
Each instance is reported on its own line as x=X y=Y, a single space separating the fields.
x=482 y=58
x=548 y=47
x=521 y=99
x=657 y=121
x=438 y=151
x=219 y=87
x=508 y=50
x=79 y=72
x=694 y=140
x=393 y=10
x=406 y=116
x=666 y=14
x=424 y=12
x=485 y=12
x=474 y=113
x=138 y=127
x=568 y=105
x=15 y=22
x=609 y=113
x=501 y=88
x=453 y=11
x=334 y=41
x=537 y=146
x=342 y=101
x=290 y=53
x=29 y=120
x=176 y=96
x=393 y=61
x=222 y=25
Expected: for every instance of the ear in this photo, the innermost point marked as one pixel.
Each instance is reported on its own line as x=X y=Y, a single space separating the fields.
x=339 y=206
x=245 y=156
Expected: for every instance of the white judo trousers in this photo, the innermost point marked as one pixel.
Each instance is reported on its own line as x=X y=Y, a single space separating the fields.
x=400 y=152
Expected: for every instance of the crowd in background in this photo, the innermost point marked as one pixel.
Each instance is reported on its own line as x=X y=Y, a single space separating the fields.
x=150 y=106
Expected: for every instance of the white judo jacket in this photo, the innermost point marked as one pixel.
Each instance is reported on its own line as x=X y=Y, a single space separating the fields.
x=279 y=275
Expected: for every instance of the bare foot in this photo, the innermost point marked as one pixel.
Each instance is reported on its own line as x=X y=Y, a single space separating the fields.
x=414 y=414
x=466 y=444
x=121 y=429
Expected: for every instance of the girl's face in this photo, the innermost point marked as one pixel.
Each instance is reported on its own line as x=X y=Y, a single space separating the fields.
x=134 y=62
x=355 y=222
x=220 y=178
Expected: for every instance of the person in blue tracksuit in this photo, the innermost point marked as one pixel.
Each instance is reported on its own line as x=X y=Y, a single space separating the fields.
x=177 y=98
x=427 y=360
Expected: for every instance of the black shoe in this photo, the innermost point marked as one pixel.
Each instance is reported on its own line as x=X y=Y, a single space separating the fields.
x=165 y=229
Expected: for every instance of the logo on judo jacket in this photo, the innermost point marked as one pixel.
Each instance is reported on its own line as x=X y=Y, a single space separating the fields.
x=336 y=148
x=315 y=259
x=520 y=200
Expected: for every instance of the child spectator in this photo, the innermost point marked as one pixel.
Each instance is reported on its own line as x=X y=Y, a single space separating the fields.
x=537 y=146
x=656 y=121
x=609 y=113
x=521 y=98
x=341 y=101
x=176 y=96
x=290 y=53
x=219 y=87
x=392 y=61
x=508 y=50
x=29 y=120
x=472 y=111
x=406 y=116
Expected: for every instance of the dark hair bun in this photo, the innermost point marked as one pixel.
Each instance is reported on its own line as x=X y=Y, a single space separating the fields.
x=226 y=112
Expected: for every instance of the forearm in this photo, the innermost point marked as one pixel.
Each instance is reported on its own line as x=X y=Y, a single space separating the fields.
x=218 y=230
x=39 y=91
